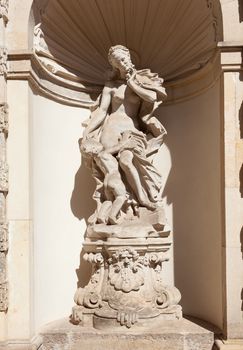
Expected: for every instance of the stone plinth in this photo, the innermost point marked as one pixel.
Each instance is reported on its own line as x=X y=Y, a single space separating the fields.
x=171 y=335
x=126 y=287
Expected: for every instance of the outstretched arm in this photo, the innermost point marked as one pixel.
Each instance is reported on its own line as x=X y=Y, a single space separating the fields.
x=98 y=116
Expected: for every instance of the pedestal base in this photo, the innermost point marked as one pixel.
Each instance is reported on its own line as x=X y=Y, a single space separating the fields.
x=170 y=335
x=126 y=286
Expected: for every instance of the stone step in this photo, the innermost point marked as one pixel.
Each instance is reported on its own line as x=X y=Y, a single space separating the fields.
x=173 y=335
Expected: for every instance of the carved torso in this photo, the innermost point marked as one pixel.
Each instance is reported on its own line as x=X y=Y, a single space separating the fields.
x=124 y=109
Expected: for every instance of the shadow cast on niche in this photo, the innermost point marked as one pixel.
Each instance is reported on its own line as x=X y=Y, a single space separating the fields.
x=241 y=241
x=241 y=120
x=242 y=299
x=240 y=10
x=241 y=136
x=82 y=206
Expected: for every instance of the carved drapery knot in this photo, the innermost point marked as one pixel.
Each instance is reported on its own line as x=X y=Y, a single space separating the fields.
x=4 y=118
x=3 y=296
x=4 y=10
x=3 y=177
x=3 y=60
x=3 y=237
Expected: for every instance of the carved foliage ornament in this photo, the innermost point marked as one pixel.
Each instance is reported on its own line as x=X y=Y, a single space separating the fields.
x=4 y=118
x=3 y=61
x=4 y=10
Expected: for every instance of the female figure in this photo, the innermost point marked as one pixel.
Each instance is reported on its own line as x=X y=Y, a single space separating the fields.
x=125 y=126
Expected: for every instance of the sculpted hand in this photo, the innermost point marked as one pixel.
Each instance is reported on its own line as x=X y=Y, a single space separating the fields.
x=131 y=74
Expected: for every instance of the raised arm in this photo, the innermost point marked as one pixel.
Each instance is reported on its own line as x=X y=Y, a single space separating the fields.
x=98 y=116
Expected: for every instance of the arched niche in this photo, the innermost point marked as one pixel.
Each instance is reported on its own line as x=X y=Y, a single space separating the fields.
x=176 y=39
x=68 y=65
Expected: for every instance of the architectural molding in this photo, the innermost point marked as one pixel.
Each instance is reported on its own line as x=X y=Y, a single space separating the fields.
x=33 y=344
x=24 y=65
x=232 y=344
x=231 y=55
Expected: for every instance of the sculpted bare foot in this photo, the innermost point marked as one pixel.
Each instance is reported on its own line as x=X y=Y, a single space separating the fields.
x=113 y=220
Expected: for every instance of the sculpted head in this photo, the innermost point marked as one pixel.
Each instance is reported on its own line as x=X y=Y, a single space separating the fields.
x=120 y=59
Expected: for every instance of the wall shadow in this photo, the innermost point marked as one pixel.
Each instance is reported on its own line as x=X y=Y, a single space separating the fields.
x=241 y=241
x=83 y=272
x=241 y=136
x=240 y=4
x=242 y=299
x=241 y=121
x=241 y=181
x=82 y=206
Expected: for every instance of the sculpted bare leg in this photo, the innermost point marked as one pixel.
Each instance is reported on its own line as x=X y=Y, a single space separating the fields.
x=102 y=216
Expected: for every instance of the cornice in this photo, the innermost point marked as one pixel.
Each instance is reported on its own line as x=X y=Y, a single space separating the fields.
x=23 y=65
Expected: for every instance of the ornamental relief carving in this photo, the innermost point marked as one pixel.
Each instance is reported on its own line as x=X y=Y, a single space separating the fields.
x=3 y=237
x=90 y=295
x=3 y=61
x=4 y=118
x=3 y=297
x=3 y=176
x=3 y=265
x=126 y=270
x=4 y=10
x=127 y=285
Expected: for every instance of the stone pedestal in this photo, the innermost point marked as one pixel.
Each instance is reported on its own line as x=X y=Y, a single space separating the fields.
x=126 y=287
x=170 y=335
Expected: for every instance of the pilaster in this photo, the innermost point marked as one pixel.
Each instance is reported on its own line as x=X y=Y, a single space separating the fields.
x=3 y=171
x=232 y=148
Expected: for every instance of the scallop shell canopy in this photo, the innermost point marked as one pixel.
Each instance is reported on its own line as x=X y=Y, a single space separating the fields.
x=173 y=38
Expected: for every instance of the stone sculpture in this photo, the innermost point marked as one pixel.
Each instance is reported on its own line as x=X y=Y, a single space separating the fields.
x=127 y=239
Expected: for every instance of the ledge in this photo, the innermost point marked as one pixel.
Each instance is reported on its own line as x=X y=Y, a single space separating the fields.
x=236 y=344
x=174 y=335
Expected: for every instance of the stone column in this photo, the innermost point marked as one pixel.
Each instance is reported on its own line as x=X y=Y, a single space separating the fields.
x=3 y=170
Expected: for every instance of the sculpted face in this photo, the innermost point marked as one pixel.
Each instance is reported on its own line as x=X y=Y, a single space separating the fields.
x=119 y=57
